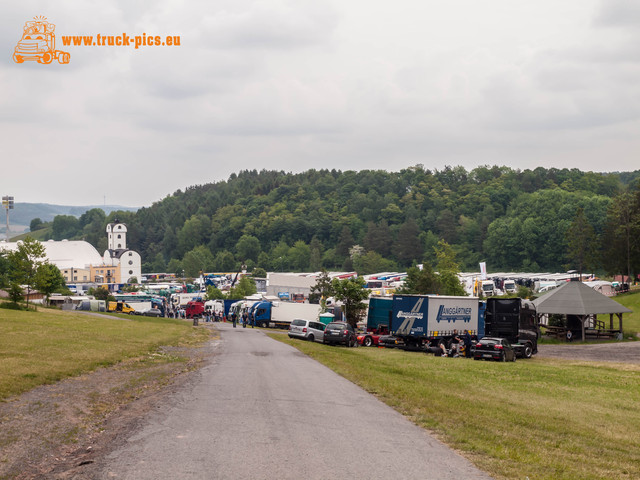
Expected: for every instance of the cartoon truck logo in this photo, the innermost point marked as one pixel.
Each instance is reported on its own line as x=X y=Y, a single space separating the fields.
x=38 y=42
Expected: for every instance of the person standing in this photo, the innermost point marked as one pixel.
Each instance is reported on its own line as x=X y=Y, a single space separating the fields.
x=234 y=319
x=467 y=344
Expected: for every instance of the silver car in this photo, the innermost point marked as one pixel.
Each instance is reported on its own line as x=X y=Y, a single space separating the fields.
x=307 y=330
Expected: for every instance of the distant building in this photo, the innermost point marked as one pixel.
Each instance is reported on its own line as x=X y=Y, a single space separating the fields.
x=118 y=255
x=80 y=262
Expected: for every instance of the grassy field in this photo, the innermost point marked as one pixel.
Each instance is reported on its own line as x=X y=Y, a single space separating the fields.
x=630 y=321
x=538 y=418
x=46 y=346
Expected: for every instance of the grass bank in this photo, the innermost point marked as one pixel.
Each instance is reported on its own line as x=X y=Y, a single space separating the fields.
x=541 y=418
x=48 y=345
x=630 y=321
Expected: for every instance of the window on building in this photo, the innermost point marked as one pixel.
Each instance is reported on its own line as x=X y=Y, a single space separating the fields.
x=119 y=236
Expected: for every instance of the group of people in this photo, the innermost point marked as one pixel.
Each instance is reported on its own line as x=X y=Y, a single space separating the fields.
x=458 y=346
x=245 y=320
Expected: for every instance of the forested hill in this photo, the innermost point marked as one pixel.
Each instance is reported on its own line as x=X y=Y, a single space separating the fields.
x=513 y=220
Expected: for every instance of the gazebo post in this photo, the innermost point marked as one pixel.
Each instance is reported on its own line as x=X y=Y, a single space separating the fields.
x=582 y=319
x=611 y=321
x=620 y=317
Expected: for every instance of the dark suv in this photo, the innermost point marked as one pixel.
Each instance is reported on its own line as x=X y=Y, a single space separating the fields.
x=340 y=332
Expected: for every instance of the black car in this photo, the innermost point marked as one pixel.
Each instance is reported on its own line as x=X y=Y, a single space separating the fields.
x=490 y=348
x=340 y=332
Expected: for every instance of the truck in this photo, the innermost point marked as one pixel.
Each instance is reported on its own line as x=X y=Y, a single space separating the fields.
x=121 y=307
x=421 y=322
x=378 y=321
x=38 y=43
x=194 y=309
x=179 y=300
x=281 y=314
x=488 y=288
x=510 y=286
x=515 y=320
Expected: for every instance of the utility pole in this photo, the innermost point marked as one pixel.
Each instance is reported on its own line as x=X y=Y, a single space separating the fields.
x=7 y=203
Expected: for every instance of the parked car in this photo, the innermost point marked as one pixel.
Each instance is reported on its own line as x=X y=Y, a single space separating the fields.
x=490 y=348
x=306 y=329
x=152 y=312
x=340 y=332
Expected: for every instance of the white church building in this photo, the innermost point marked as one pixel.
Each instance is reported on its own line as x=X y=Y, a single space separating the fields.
x=80 y=262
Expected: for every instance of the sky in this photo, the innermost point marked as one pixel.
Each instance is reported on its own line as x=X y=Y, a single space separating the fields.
x=312 y=84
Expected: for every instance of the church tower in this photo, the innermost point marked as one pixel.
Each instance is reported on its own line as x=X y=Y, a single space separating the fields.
x=116 y=236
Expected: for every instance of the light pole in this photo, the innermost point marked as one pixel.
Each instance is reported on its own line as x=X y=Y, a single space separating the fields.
x=7 y=203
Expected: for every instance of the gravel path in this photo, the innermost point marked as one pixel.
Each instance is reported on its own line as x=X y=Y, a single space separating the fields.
x=621 y=352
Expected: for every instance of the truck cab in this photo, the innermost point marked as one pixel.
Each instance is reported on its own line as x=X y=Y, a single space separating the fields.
x=515 y=320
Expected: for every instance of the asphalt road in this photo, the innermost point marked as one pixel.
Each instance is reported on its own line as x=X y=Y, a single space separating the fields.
x=262 y=410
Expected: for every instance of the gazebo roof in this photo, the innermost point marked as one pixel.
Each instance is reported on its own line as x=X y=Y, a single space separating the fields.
x=576 y=298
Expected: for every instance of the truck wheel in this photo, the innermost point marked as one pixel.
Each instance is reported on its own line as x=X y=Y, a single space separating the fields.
x=368 y=341
x=46 y=58
x=528 y=351
x=17 y=58
x=264 y=324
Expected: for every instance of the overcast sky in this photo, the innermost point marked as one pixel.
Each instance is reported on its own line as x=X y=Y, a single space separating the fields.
x=301 y=84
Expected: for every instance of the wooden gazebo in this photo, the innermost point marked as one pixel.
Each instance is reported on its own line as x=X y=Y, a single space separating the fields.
x=579 y=300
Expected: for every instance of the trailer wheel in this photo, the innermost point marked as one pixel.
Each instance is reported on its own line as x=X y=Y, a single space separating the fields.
x=368 y=341
x=528 y=351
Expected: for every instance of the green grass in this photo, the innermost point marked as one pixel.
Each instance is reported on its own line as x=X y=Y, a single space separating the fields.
x=630 y=321
x=46 y=346
x=538 y=418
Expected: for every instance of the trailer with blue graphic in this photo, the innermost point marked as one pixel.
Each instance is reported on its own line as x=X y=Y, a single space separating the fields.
x=420 y=322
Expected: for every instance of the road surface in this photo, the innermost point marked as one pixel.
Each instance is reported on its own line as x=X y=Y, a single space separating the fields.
x=263 y=410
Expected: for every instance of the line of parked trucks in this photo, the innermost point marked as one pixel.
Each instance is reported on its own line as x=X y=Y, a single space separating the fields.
x=425 y=322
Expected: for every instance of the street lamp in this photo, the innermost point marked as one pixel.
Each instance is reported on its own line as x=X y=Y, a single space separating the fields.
x=7 y=203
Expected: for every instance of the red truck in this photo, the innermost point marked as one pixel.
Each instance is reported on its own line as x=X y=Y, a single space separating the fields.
x=195 y=309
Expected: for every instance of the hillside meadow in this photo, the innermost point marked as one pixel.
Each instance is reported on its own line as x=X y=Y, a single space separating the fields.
x=48 y=345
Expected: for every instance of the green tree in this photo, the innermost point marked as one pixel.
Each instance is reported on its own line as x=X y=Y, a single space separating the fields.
x=448 y=270
x=64 y=227
x=581 y=243
x=175 y=266
x=25 y=261
x=421 y=281
x=259 y=272
x=322 y=290
x=248 y=248
x=372 y=262
x=245 y=287
x=214 y=293
x=36 y=224
x=197 y=260
x=49 y=279
x=622 y=235
x=101 y=293
x=299 y=255
x=352 y=294
x=408 y=246
x=225 y=262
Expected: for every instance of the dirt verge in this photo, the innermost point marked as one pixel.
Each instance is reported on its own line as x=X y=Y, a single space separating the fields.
x=56 y=431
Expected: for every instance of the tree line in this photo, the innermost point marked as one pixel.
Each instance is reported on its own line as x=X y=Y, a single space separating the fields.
x=373 y=220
